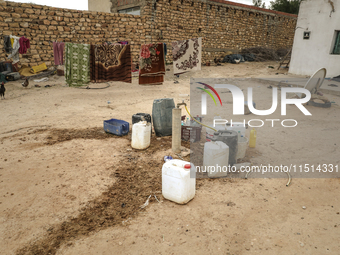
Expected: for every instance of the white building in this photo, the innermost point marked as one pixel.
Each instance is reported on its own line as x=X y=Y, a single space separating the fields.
x=317 y=38
x=100 y=5
x=116 y=6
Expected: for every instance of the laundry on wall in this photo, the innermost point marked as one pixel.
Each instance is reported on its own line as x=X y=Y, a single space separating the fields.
x=111 y=62
x=151 y=64
x=14 y=46
x=58 y=52
x=187 y=55
x=77 y=64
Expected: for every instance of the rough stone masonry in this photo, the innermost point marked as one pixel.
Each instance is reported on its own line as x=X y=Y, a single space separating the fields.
x=223 y=26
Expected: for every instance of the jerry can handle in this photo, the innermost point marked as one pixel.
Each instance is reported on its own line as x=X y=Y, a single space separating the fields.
x=224 y=131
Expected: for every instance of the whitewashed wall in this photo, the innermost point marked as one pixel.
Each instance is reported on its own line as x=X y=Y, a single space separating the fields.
x=100 y=5
x=317 y=17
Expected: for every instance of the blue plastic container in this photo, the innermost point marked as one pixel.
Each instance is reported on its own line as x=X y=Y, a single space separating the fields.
x=116 y=127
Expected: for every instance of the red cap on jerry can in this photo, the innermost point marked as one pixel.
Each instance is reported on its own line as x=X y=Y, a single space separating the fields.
x=187 y=166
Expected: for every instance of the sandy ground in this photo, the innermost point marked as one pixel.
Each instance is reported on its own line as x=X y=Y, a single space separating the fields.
x=66 y=187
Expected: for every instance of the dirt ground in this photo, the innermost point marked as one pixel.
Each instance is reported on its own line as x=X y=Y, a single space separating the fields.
x=67 y=187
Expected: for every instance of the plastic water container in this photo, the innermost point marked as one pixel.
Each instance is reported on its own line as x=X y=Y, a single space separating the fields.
x=242 y=147
x=216 y=158
x=239 y=127
x=141 y=117
x=162 y=116
x=116 y=127
x=210 y=133
x=252 y=139
x=230 y=138
x=178 y=181
x=141 y=133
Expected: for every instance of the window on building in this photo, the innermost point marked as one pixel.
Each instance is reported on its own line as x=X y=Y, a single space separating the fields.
x=306 y=35
x=133 y=11
x=336 y=47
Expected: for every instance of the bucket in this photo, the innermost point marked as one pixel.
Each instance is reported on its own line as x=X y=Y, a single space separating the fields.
x=60 y=72
x=242 y=147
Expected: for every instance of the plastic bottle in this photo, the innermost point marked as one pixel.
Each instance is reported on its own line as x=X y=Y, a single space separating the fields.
x=252 y=139
x=188 y=122
x=167 y=158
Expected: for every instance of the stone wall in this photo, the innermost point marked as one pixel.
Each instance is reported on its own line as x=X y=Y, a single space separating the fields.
x=43 y=25
x=223 y=27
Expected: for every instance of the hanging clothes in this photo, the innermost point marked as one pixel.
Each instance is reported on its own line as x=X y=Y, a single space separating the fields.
x=7 y=43
x=187 y=55
x=151 y=64
x=58 y=51
x=24 y=45
x=110 y=63
x=15 y=52
x=77 y=64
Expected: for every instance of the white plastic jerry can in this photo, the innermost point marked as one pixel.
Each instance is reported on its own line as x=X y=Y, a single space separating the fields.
x=216 y=159
x=141 y=133
x=178 y=181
